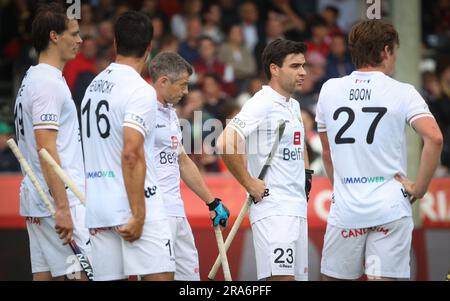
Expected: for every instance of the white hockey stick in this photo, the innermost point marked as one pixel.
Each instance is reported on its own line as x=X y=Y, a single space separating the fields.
x=278 y=134
x=84 y=261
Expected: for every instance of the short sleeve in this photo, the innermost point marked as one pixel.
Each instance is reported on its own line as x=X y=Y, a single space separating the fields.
x=416 y=107
x=320 y=118
x=140 y=109
x=47 y=106
x=250 y=116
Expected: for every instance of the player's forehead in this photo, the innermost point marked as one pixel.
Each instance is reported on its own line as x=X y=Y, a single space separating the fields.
x=72 y=26
x=294 y=58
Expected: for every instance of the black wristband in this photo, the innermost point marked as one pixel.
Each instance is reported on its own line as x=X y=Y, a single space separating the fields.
x=213 y=205
x=309 y=171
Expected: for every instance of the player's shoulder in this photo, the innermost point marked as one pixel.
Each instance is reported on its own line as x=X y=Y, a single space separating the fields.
x=399 y=86
x=261 y=101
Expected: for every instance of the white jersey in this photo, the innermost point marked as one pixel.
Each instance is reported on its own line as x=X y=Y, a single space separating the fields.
x=118 y=97
x=285 y=178
x=166 y=151
x=365 y=115
x=44 y=102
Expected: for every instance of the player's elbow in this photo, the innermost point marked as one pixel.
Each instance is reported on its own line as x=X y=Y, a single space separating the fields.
x=130 y=158
x=435 y=139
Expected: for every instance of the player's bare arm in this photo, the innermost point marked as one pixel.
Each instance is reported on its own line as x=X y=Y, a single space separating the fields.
x=193 y=179
x=63 y=219
x=228 y=144
x=133 y=169
x=326 y=156
x=429 y=131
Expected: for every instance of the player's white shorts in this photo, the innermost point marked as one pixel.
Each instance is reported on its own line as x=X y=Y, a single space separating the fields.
x=114 y=258
x=186 y=255
x=381 y=251
x=281 y=247
x=47 y=251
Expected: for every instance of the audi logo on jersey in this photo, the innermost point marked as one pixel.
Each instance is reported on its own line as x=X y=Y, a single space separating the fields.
x=297 y=138
x=174 y=140
x=49 y=117
x=239 y=122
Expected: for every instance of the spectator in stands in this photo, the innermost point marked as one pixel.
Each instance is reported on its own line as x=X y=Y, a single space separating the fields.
x=192 y=120
x=294 y=23
x=274 y=30
x=230 y=13
x=209 y=63
x=331 y=14
x=189 y=47
x=105 y=39
x=8 y=163
x=439 y=105
x=88 y=27
x=255 y=84
x=179 y=23
x=234 y=53
x=215 y=99
x=339 y=61
x=319 y=41
x=211 y=23
x=251 y=28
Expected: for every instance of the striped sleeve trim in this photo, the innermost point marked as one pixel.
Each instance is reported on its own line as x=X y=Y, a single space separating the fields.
x=417 y=116
x=136 y=126
x=46 y=124
x=321 y=128
x=239 y=131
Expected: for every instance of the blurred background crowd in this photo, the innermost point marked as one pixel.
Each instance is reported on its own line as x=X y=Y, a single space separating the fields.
x=224 y=40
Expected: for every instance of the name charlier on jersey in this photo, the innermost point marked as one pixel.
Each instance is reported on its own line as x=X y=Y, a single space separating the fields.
x=362 y=180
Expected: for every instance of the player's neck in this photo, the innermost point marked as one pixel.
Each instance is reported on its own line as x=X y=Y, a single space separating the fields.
x=277 y=88
x=373 y=69
x=50 y=58
x=134 y=62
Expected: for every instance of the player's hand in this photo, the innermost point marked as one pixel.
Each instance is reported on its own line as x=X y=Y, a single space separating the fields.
x=132 y=230
x=257 y=189
x=409 y=188
x=218 y=213
x=64 y=225
x=308 y=182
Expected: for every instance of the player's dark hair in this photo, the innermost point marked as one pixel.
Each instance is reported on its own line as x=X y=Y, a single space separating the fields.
x=133 y=32
x=277 y=51
x=49 y=17
x=367 y=40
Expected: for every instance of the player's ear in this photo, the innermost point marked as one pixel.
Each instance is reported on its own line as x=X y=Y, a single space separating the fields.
x=274 y=69
x=53 y=36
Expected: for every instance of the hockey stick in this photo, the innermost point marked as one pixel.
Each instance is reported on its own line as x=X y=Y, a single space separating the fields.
x=62 y=175
x=82 y=259
x=222 y=254
x=278 y=134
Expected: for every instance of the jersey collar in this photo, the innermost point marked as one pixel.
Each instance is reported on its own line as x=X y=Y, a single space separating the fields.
x=52 y=69
x=277 y=97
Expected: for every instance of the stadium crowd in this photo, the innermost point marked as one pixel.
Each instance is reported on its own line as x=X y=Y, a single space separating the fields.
x=223 y=40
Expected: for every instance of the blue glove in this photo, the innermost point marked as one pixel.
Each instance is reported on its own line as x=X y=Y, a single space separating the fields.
x=222 y=213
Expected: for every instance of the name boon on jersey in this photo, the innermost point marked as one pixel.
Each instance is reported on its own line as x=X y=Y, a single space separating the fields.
x=359 y=94
x=101 y=86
